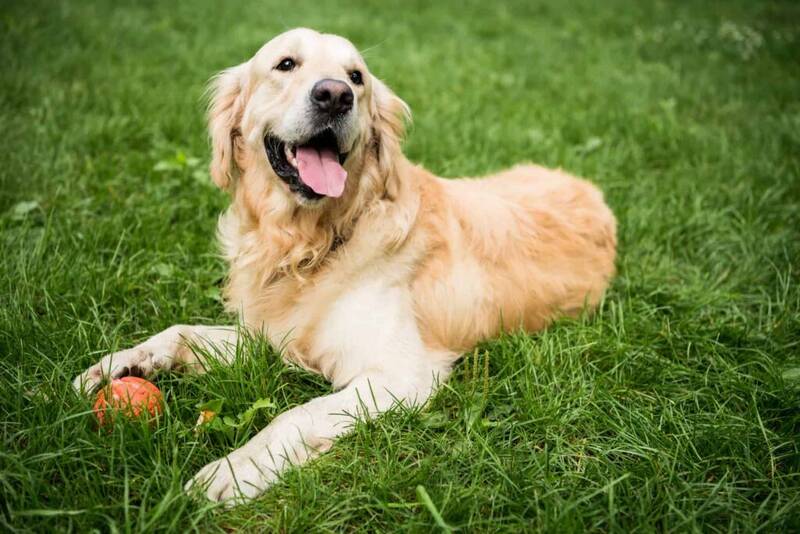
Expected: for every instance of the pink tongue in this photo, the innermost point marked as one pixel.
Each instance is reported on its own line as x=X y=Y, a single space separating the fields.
x=320 y=170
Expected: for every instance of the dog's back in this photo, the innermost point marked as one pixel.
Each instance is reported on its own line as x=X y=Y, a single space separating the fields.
x=516 y=249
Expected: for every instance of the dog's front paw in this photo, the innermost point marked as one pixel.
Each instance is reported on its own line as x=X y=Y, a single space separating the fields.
x=142 y=360
x=234 y=479
x=135 y=361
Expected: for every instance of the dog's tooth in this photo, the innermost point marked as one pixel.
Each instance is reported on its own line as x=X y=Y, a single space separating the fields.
x=290 y=157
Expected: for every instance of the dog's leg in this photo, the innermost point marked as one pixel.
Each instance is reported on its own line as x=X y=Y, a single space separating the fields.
x=305 y=431
x=168 y=349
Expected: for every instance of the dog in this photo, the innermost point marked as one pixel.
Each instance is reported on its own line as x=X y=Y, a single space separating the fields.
x=365 y=267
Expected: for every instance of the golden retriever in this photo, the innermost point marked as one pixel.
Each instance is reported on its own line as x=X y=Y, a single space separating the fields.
x=365 y=267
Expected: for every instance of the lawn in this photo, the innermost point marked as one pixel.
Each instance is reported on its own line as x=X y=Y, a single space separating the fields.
x=675 y=408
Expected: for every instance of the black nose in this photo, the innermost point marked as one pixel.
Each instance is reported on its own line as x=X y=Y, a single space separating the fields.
x=332 y=97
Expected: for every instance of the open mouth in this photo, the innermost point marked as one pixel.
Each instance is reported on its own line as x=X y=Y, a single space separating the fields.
x=313 y=168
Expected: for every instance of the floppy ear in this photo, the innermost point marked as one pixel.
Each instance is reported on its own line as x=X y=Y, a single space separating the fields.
x=226 y=106
x=390 y=117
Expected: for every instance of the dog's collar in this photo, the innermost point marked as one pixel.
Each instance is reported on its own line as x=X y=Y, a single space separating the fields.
x=338 y=241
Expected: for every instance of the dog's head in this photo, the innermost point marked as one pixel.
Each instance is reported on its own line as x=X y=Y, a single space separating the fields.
x=305 y=113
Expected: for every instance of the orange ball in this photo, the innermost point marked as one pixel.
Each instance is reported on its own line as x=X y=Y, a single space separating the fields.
x=130 y=396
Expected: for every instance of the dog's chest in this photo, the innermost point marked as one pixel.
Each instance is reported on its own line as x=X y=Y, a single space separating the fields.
x=352 y=332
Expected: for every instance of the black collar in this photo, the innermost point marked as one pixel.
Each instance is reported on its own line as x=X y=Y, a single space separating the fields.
x=338 y=241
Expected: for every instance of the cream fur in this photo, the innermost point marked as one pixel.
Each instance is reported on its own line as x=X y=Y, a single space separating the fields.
x=426 y=267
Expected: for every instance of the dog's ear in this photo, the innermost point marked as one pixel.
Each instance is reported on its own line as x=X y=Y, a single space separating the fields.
x=225 y=109
x=390 y=115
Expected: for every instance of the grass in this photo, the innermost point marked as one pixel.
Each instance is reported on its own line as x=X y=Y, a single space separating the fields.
x=676 y=408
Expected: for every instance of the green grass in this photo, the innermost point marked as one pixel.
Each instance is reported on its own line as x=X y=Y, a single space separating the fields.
x=676 y=408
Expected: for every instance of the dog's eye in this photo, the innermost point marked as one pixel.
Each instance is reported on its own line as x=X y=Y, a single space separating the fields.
x=356 y=78
x=286 y=64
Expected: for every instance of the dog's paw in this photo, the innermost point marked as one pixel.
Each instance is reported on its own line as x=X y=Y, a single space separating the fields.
x=232 y=480
x=138 y=361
